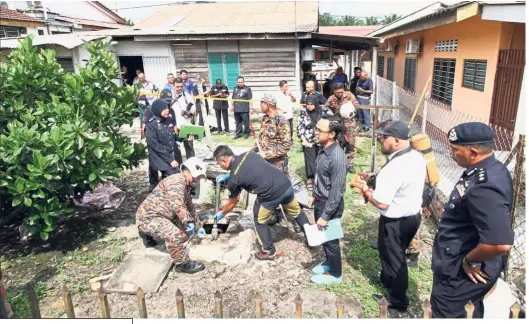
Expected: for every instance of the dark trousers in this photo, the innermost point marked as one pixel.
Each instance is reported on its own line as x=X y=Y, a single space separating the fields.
x=394 y=236
x=242 y=119
x=188 y=147
x=364 y=115
x=310 y=154
x=451 y=294
x=154 y=178
x=333 y=254
x=264 y=213
x=199 y=109
x=224 y=114
x=291 y=122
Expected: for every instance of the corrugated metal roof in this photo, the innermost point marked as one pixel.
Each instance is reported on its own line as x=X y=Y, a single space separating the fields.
x=430 y=11
x=347 y=30
x=226 y=18
x=6 y=13
x=65 y=40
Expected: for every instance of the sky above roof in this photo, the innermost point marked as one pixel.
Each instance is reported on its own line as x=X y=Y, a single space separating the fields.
x=140 y=10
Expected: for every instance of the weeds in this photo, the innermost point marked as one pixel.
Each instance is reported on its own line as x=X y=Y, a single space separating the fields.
x=18 y=299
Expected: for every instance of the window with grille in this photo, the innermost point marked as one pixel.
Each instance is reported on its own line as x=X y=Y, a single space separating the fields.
x=443 y=80
x=66 y=63
x=380 y=66
x=391 y=68
x=474 y=74
x=446 y=46
x=8 y=31
x=410 y=71
x=224 y=66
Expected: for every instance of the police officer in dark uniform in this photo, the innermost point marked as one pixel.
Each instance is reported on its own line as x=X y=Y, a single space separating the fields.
x=474 y=230
x=241 y=109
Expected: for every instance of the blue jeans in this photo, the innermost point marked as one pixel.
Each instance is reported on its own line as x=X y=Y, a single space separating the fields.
x=364 y=115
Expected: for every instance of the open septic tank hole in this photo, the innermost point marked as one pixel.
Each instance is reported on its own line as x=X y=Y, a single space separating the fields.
x=222 y=227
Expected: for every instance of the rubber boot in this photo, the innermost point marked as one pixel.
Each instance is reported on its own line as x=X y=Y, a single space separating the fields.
x=190 y=267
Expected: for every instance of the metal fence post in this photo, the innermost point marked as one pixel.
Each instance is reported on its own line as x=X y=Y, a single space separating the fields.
x=299 y=311
x=103 y=303
x=33 y=301
x=218 y=305
x=180 y=304
x=339 y=307
x=425 y=113
x=394 y=101
x=68 y=303
x=142 y=307
x=258 y=300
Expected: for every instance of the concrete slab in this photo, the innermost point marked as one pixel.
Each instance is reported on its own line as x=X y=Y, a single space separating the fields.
x=229 y=249
x=146 y=269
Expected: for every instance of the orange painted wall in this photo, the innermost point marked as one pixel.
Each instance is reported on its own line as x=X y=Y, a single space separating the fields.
x=512 y=36
x=477 y=39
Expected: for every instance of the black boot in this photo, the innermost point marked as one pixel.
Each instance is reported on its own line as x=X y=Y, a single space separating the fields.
x=148 y=241
x=351 y=169
x=190 y=267
x=412 y=259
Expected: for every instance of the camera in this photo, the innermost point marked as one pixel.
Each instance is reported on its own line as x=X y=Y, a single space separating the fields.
x=372 y=181
x=187 y=112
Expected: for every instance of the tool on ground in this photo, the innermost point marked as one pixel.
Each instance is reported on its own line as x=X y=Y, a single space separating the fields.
x=259 y=148
x=215 y=230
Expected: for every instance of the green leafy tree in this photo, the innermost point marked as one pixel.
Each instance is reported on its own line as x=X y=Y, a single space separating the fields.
x=350 y=21
x=372 y=21
x=60 y=132
x=326 y=19
x=390 y=18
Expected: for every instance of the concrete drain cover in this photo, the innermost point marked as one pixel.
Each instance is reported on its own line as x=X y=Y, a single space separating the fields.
x=146 y=269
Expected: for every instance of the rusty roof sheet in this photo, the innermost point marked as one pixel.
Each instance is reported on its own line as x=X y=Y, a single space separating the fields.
x=6 y=13
x=347 y=30
x=226 y=18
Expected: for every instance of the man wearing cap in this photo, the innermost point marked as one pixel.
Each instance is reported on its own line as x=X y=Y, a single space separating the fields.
x=474 y=231
x=274 y=135
x=252 y=173
x=334 y=103
x=168 y=213
x=398 y=198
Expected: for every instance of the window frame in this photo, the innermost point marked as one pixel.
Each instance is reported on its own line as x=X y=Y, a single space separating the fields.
x=443 y=99
x=380 y=65
x=392 y=58
x=473 y=87
x=405 y=85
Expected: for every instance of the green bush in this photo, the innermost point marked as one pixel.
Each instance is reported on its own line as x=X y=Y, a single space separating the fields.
x=60 y=132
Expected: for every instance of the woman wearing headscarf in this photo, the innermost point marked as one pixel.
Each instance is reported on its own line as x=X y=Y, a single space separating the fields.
x=308 y=118
x=161 y=139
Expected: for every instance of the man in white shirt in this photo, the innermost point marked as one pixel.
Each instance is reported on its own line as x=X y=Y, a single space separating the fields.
x=398 y=197
x=184 y=108
x=285 y=98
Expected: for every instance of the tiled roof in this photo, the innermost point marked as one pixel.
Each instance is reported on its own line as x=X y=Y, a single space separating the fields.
x=6 y=13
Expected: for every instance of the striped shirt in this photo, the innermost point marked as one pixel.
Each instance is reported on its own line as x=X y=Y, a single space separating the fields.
x=331 y=173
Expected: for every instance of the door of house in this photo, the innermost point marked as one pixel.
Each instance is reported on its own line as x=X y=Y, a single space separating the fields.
x=507 y=88
x=156 y=69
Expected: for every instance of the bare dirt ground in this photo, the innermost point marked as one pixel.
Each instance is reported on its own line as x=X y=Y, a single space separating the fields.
x=92 y=243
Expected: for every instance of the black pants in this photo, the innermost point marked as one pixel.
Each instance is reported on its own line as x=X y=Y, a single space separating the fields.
x=450 y=295
x=188 y=147
x=291 y=122
x=199 y=110
x=333 y=254
x=154 y=178
x=242 y=119
x=224 y=114
x=264 y=213
x=394 y=236
x=310 y=154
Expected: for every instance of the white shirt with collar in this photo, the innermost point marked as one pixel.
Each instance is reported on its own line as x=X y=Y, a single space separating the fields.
x=400 y=185
x=284 y=103
x=180 y=102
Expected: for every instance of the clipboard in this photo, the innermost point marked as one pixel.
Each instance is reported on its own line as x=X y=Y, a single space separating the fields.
x=187 y=130
x=317 y=237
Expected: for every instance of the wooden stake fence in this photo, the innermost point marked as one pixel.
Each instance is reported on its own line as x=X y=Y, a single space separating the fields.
x=218 y=312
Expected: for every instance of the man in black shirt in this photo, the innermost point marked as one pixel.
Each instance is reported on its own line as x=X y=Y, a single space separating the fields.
x=354 y=80
x=254 y=174
x=220 y=106
x=241 y=109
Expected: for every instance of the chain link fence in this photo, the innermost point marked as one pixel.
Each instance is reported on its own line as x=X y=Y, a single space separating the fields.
x=436 y=119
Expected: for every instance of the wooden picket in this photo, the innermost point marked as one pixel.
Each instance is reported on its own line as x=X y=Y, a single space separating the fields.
x=219 y=306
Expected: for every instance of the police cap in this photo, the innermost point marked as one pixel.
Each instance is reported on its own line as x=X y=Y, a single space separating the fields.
x=471 y=133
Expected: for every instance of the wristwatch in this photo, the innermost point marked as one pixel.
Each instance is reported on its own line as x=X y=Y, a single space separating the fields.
x=472 y=264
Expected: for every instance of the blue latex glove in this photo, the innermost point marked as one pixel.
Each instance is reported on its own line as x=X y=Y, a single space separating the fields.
x=190 y=228
x=222 y=178
x=219 y=215
x=201 y=231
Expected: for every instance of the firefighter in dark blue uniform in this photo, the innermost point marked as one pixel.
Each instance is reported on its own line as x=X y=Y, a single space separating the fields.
x=474 y=231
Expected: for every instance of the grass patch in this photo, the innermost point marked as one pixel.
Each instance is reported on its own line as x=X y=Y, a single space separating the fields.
x=228 y=140
x=360 y=224
x=18 y=299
